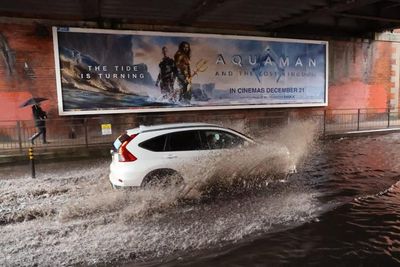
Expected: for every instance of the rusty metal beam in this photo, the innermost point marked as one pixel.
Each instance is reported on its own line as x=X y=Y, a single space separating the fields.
x=200 y=8
x=373 y=18
x=91 y=9
x=327 y=9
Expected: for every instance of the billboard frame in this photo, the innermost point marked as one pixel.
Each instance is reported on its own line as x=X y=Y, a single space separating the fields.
x=62 y=112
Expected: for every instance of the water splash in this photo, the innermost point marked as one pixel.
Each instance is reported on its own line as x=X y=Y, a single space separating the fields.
x=74 y=217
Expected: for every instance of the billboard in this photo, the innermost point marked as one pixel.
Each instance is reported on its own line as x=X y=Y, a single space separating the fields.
x=115 y=71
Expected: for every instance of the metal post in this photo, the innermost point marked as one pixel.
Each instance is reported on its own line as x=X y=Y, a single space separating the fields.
x=86 y=132
x=324 y=129
x=388 y=117
x=32 y=162
x=358 y=119
x=19 y=136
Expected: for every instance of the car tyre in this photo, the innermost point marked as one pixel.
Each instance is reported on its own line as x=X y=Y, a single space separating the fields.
x=162 y=178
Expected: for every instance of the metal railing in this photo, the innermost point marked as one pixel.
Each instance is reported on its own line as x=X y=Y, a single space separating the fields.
x=78 y=132
x=88 y=132
x=342 y=121
x=60 y=133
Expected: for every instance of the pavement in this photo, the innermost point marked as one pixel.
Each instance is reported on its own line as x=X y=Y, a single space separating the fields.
x=362 y=133
x=55 y=153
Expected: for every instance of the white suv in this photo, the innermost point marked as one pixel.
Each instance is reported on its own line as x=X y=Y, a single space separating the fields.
x=154 y=154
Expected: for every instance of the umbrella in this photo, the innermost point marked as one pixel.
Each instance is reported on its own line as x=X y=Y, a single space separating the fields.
x=32 y=101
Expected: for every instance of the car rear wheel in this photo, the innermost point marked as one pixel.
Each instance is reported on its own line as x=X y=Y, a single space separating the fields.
x=162 y=178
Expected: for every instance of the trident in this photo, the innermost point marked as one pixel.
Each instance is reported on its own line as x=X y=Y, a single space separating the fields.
x=201 y=66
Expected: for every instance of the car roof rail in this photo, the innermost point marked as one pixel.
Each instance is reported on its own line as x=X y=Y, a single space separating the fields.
x=144 y=128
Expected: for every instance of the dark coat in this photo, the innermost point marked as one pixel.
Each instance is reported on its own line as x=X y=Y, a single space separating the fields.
x=39 y=115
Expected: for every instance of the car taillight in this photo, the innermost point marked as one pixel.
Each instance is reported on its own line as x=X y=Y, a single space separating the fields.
x=123 y=153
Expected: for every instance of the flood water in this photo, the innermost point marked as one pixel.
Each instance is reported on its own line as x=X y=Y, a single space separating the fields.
x=355 y=189
x=340 y=209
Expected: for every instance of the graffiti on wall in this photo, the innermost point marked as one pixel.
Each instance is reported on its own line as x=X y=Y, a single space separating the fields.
x=7 y=55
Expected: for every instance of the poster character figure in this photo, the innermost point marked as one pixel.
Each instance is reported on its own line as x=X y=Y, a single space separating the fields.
x=183 y=75
x=166 y=77
x=40 y=116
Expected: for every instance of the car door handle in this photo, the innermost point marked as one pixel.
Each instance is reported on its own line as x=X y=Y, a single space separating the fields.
x=171 y=156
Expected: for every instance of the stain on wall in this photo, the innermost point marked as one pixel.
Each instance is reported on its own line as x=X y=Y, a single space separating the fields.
x=9 y=107
x=7 y=55
x=20 y=46
x=359 y=74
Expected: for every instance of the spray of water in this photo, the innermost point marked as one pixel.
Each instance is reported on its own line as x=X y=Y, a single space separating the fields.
x=74 y=217
x=272 y=157
x=299 y=137
x=229 y=172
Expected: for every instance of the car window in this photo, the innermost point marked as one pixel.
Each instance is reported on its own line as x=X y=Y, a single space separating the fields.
x=183 y=141
x=215 y=139
x=121 y=139
x=156 y=144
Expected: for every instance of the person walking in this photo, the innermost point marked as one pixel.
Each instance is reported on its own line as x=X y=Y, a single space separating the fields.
x=40 y=116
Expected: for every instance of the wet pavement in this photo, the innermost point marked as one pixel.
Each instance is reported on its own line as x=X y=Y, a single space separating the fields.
x=340 y=209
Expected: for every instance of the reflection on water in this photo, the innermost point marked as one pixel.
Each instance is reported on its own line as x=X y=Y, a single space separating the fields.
x=341 y=209
x=359 y=177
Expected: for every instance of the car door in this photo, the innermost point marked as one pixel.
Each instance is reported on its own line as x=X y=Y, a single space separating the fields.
x=183 y=151
x=219 y=145
x=217 y=140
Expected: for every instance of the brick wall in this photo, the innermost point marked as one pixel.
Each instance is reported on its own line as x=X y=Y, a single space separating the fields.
x=359 y=77
x=27 y=69
x=360 y=74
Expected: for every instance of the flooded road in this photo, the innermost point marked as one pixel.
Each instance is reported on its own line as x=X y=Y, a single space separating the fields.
x=357 y=192
x=340 y=209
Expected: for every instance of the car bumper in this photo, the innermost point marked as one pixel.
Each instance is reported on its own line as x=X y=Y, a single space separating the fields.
x=125 y=175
